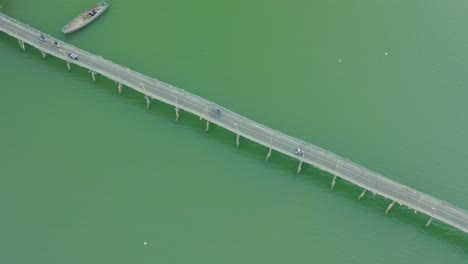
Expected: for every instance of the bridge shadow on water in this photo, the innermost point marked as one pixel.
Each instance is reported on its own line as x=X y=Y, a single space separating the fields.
x=345 y=190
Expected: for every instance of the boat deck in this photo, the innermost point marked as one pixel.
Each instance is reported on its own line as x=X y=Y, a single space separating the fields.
x=85 y=18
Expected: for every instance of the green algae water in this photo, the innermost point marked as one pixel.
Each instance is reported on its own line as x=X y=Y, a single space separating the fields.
x=90 y=176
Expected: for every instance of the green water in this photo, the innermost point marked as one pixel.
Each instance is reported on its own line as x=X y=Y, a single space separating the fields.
x=88 y=176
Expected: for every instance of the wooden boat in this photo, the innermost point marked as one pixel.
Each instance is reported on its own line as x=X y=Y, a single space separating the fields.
x=85 y=18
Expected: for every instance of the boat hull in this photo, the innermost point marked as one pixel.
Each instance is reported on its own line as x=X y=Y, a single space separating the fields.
x=85 y=18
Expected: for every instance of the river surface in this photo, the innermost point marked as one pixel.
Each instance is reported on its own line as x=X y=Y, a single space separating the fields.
x=90 y=176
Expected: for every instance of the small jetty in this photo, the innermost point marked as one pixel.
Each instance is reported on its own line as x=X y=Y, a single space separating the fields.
x=85 y=18
x=369 y=181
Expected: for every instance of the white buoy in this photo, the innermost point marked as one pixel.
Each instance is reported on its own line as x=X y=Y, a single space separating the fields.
x=145 y=243
x=339 y=60
x=386 y=53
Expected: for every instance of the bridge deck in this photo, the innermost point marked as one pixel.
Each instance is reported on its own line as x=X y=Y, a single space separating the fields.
x=241 y=126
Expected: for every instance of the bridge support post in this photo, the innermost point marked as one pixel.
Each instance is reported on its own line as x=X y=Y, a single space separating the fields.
x=177 y=114
x=299 y=167
x=429 y=221
x=432 y=216
x=93 y=74
x=390 y=207
x=362 y=194
x=148 y=101
x=207 y=126
x=268 y=155
x=333 y=183
x=120 y=88
x=43 y=54
x=238 y=135
x=68 y=65
x=21 y=43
